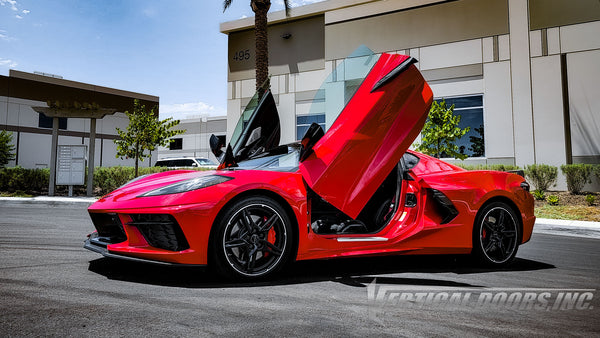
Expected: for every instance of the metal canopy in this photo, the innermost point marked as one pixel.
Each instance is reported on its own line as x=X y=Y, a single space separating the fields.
x=92 y=114
x=75 y=112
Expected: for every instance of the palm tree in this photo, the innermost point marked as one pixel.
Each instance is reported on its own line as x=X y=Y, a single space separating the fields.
x=260 y=9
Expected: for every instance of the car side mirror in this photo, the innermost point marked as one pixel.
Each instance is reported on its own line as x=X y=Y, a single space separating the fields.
x=216 y=146
x=310 y=138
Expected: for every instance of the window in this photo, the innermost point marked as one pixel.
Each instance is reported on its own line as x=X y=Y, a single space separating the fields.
x=470 y=109
x=46 y=122
x=304 y=121
x=176 y=144
x=205 y=161
x=183 y=163
x=337 y=90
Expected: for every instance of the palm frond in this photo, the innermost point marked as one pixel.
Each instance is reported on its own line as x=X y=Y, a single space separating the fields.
x=226 y=4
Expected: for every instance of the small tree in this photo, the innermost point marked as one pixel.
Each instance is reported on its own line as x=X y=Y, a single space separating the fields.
x=441 y=131
x=145 y=132
x=6 y=148
x=477 y=145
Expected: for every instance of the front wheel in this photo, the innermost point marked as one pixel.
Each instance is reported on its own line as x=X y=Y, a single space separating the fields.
x=253 y=239
x=496 y=235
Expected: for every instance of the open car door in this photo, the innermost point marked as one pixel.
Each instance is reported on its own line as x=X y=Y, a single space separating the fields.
x=257 y=131
x=347 y=164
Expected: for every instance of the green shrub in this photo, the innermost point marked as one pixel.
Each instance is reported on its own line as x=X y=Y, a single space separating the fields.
x=26 y=180
x=152 y=170
x=107 y=179
x=577 y=176
x=539 y=195
x=552 y=199
x=596 y=170
x=590 y=199
x=542 y=176
x=495 y=167
x=35 y=181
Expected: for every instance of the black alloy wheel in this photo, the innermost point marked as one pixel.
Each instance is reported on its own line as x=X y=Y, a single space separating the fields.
x=496 y=235
x=254 y=239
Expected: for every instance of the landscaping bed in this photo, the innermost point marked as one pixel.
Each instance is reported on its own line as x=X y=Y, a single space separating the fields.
x=570 y=207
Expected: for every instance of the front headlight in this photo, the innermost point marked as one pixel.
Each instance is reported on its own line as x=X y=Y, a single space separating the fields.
x=188 y=185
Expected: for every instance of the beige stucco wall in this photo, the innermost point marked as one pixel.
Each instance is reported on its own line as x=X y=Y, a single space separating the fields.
x=507 y=50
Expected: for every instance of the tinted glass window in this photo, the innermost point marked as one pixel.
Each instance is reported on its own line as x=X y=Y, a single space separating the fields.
x=183 y=163
x=176 y=144
x=470 y=109
x=204 y=161
x=244 y=119
x=304 y=121
x=46 y=122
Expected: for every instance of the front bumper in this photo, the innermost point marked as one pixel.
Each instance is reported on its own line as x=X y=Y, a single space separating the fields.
x=96 y=245
x=172 y=235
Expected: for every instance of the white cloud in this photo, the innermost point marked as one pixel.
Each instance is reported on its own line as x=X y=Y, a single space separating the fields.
x=190 y=110
x=4 y=36
x=10 y=3
x=297 y=3
x=149 y=12
x=18 y=16
x=7 y=63
x=25 y=11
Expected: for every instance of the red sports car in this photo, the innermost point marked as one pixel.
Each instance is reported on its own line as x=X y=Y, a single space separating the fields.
x=355 y=190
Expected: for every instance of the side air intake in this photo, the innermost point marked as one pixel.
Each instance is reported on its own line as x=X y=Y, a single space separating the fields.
x=444 y=206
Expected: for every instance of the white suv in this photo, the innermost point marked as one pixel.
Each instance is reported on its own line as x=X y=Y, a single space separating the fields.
x=186 y=162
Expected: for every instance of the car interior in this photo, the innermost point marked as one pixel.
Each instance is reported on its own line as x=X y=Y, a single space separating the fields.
x=377 y=213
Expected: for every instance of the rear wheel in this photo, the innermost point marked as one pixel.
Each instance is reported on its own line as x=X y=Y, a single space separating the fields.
x=496 y=235
x=253 y=239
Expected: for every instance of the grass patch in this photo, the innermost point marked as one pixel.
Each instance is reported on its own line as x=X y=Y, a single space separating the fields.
x=568 y=212
x=14 y=194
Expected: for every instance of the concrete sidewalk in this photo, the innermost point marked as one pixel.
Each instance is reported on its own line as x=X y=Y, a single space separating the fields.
x=54 y=200
x=542 y=225
x=567 y=228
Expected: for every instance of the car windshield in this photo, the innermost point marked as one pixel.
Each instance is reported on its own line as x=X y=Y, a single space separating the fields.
x=204 y=161
x=244 y=120
x=277 y=162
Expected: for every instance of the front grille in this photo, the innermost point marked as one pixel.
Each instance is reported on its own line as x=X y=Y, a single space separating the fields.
x=160 y=231
x=109 y=227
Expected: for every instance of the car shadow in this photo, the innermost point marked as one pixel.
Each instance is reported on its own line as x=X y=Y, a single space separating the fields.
x=357 y=272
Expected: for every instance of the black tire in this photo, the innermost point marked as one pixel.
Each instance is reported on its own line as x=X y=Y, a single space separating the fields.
x=253 y=239
x=496 y=235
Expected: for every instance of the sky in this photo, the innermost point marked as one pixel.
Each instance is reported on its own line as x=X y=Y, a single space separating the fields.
x=171 y=49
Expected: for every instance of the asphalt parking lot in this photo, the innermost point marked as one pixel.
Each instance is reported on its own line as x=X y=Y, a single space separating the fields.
x=51 y=286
